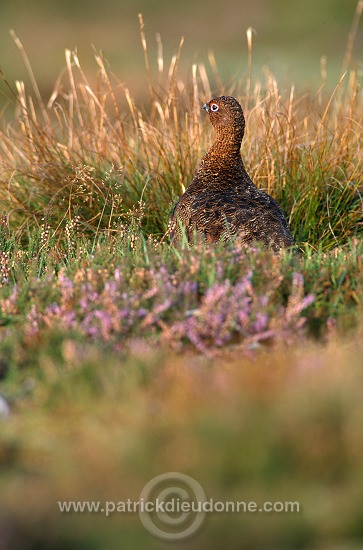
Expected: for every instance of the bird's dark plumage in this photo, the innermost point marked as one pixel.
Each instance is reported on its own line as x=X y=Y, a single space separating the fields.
x=222 y=200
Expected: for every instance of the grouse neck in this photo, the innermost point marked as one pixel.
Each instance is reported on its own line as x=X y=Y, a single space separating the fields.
x=226 y=148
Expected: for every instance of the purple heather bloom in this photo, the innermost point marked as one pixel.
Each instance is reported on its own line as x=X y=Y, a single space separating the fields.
x=173 y=304
x=261 y=322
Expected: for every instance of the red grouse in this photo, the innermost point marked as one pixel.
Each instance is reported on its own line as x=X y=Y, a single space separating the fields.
x=222 y=200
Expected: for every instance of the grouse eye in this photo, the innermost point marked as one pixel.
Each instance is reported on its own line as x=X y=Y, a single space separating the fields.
x=214 y=107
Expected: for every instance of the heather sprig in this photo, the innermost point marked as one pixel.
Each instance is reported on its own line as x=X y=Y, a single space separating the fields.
x=224 y=313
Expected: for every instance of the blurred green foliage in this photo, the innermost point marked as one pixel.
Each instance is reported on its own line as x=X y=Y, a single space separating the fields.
x=290 y=35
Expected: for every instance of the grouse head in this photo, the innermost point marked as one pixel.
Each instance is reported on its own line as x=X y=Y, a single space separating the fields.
x=226 y=115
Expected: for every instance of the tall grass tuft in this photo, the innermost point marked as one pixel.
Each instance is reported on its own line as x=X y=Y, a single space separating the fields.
x=92 y=154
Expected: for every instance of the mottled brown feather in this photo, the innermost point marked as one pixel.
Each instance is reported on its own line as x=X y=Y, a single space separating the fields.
x=222 y=200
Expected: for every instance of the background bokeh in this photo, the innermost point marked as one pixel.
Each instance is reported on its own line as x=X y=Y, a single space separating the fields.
x=290 y=39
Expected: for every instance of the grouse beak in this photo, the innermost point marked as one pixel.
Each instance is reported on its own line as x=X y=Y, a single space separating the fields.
x=206 y=107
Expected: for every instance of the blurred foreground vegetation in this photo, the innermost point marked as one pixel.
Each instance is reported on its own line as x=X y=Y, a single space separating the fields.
x=94 y=425
x=122 y=359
